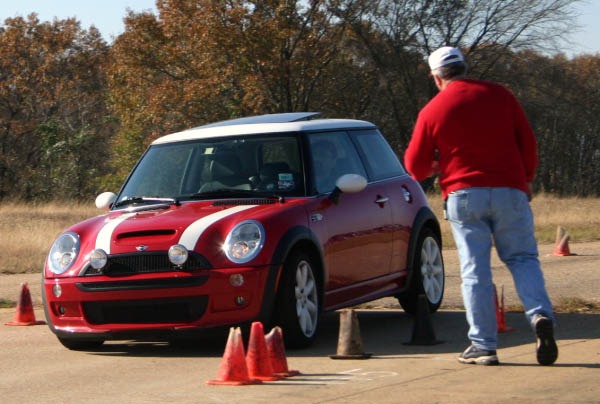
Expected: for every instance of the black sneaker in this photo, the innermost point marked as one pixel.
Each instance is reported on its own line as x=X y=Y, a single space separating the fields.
x=546 y=349
x=476 y=356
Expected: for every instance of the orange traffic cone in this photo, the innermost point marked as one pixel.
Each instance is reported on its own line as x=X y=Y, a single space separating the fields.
x=276 y=351
x=257 y=359
x=233 y=370
x=501 y=321
x=25 y=314
x=561 y=245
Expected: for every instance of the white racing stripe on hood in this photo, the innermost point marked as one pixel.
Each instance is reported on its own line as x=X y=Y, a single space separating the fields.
x=192 y=234
x=105 y=234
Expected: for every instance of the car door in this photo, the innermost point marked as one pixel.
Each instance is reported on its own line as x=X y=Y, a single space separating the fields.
x=384 y=168
x=358 y=243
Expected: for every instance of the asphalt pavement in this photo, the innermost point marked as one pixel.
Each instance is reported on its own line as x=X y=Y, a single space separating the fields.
x=37 y=369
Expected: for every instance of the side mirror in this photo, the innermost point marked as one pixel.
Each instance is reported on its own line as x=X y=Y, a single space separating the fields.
x=351 y=183
x=105 y=200
x=348 y=183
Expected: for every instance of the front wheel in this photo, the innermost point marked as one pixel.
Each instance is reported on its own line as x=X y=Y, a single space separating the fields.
x=428 y=274
x=298 y=301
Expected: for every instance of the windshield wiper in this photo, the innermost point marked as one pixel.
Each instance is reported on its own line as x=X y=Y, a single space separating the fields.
x=235 y=193
x=146 y=200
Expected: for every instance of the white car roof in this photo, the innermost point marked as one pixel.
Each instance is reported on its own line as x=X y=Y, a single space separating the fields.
x=261 y=128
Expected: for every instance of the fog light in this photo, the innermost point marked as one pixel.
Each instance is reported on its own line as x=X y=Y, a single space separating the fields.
x=62 y=310
x=57 y=290
x=240 y=301
x=236 y=280
x=98 y=259
x=178 y=254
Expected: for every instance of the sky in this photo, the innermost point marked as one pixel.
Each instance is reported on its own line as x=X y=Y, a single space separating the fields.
x=107 y=16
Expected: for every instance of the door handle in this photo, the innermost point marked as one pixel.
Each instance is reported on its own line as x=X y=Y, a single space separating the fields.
x=381 y=200
x=407 y=194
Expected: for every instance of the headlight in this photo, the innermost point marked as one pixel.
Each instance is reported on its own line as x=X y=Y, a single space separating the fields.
x=244 y=242
x=63 y=253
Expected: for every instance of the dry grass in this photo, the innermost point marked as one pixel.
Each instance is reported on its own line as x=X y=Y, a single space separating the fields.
x=576 y=305
x=580 y=217
x=28 y=230
x=564 y=305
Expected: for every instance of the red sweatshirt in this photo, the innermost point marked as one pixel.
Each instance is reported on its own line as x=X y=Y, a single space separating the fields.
x=482 y=136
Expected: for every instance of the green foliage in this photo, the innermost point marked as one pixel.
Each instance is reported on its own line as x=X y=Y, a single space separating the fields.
x=6 y=303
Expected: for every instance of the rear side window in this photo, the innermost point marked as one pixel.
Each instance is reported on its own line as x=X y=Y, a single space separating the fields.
x=380 y=159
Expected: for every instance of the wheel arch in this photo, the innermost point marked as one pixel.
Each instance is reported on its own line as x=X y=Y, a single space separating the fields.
x=302 y=238
x=425 y=218
x=297 y=237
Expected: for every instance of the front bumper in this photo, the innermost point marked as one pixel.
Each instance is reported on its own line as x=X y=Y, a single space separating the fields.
x=157 y=304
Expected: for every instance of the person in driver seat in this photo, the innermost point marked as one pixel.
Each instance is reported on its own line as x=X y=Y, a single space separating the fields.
x=324 y=165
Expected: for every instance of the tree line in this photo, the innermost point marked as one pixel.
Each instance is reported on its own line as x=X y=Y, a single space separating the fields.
x=76 y=112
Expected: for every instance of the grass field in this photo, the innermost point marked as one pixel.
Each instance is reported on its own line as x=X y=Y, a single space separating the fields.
x=580 y=217
x=28 y=230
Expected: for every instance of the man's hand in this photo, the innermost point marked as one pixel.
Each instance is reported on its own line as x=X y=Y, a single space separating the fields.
x=529 y=191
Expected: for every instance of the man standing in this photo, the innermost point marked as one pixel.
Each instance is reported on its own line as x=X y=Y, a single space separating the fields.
x=476 y=136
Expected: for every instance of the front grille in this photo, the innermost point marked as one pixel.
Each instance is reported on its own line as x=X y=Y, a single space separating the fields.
x=147 y=262
x=142 y=284
x=151 y=311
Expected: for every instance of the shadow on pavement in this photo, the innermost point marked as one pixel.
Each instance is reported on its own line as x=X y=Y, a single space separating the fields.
x=383 y=332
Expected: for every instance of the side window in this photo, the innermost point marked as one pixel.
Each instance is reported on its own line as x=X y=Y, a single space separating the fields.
x=380 y=159
x=333 y=155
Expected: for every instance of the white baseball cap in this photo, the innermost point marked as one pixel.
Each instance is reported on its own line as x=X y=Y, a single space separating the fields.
x=443 y=56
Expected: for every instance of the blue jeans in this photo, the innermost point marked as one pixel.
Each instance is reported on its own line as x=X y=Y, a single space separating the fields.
x=476 y=216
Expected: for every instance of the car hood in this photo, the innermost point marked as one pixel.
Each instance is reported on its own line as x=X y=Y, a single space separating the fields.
x=127 y=231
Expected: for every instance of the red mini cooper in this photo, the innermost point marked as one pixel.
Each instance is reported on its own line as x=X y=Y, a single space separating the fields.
x=273 y=218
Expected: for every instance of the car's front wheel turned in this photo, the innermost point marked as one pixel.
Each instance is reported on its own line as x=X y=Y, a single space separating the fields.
x=428 y=274
x=298 y=308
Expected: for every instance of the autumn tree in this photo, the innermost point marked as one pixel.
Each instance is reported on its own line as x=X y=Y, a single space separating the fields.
x=54 y=124
x=562 y=100
x=397 y=35
x=201 y=61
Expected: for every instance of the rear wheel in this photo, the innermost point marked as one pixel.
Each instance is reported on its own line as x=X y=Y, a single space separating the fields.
x=428 y=274
x=298 y=302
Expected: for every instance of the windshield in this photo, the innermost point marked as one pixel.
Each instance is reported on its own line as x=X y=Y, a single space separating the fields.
x=253 y=165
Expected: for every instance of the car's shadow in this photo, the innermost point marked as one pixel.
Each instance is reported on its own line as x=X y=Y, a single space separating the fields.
x=384 y=333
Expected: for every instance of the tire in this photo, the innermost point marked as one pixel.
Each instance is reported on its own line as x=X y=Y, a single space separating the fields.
x=428 y=276
x=298 y=301
x=81 y=344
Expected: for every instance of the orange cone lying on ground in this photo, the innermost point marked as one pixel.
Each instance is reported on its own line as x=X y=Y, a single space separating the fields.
x=233 y=370
x=257 y=358
x=501 y=321
x=276 y=351
x=25 y=314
